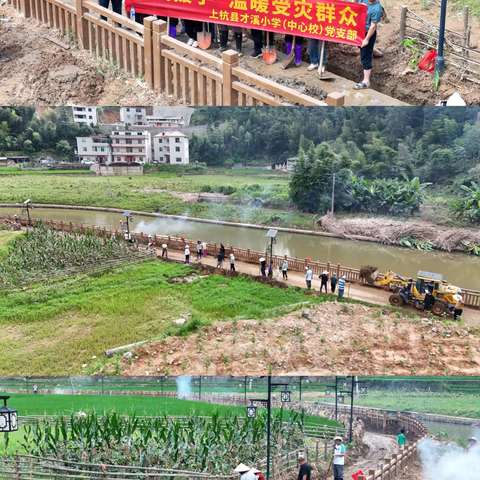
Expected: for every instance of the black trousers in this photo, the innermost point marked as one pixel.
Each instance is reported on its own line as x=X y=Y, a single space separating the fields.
x=116 y=5
x=257 y=37
x=366 y=53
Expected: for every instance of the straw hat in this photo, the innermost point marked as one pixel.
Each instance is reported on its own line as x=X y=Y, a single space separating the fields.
x=261 y=259
x=241 y=468
x=338 y=438
x=301 y=456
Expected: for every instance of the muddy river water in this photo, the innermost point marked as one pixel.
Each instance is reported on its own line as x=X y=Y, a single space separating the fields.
x=459 y=269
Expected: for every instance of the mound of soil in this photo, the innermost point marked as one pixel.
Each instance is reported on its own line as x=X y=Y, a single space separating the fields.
x=38 y=66
x=388 y=231
x=331 y=338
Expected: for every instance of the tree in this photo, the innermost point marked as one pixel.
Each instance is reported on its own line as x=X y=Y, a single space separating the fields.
x=63 y=148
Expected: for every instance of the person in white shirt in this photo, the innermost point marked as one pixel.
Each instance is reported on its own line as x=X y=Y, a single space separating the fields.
x=232 y=262
x=339 y=458
x=309 y=277
x=284 y=268
x=187 y=254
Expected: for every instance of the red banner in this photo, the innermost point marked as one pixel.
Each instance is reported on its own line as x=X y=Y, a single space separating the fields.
x=332 y=21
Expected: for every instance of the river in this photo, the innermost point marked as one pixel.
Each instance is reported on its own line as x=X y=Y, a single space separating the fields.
x=459 y=269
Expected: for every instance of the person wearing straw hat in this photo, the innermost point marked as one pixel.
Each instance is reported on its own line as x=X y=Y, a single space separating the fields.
x=339 y=452
x=245 y=472
x=263 y=266
x=164 y=250
x=304 y=469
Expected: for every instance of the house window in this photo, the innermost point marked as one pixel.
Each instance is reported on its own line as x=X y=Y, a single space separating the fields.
x=177 y=140
x=177 y=149
x=178 y=159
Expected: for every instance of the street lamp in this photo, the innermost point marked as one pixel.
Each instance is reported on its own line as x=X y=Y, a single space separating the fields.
x=440 y=62
x=8 y=419
x=27 y=204
x=128 y=218
x=285 y=397
x=271 y=234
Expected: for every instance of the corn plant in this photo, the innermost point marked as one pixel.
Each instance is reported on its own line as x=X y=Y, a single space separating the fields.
x=205 y=444
x=43 y=250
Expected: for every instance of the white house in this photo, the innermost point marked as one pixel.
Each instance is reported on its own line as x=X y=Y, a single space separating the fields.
x=94 y=149
x=83 y=114
x=171 y=147
x=133 y=115
x=131 y=146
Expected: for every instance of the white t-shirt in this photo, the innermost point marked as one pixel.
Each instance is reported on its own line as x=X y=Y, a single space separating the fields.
x=339 y=454
x=232 y=258
x=309 y=275
x=187 y=251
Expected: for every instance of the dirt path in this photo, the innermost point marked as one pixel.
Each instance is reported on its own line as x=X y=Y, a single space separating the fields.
x=330 y=337
x=37 y=66
x=380 y=446
x=471 y=317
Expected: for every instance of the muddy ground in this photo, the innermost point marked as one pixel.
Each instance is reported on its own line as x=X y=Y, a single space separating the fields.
x=36 y=70
x=38 y=66
x=331 y=337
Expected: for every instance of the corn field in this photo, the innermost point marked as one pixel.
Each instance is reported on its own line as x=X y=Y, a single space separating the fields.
x=42 y=250
x=213 y=444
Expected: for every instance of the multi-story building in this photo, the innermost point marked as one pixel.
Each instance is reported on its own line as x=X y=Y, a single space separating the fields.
x=171 y=147
x=94 y=149
x=82 y=114
x=131 y=146
x=133 y=115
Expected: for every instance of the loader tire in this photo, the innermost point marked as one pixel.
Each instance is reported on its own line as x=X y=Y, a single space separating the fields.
x=396 y=300
x=439 y=308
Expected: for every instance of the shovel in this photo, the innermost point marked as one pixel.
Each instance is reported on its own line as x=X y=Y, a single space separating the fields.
x=290 y=60
x=323 y=75
x=269 y=54
x=204 y=38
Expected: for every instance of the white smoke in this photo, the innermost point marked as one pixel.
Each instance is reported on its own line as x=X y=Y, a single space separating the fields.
x=184 y=386
x=448 y=461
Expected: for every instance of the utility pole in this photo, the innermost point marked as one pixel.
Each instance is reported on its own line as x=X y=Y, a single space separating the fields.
x=350 y=430
x=332 y=208
x=440 y=63
x=336 y=398
x=269 y=414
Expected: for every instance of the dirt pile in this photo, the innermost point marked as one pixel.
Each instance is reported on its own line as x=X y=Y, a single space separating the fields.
x=340 y=338
x=388 y=231
x=39 y=66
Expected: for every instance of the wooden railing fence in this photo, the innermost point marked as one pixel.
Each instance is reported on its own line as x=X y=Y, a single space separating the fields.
x=458 y=50
x=471 y=298
x=190 y=75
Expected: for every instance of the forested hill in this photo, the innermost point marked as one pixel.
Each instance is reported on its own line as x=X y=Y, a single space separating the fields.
x=436 y=144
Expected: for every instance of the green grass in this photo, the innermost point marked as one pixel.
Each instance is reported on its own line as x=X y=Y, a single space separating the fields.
x=18 y=171
x=56 y=327
x=150 y=193
x=126 y=405
x=474 y=6
x=5 y=238
x=442 y=403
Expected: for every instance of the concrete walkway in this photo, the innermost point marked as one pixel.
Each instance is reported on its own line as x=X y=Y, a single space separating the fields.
x=377 y=296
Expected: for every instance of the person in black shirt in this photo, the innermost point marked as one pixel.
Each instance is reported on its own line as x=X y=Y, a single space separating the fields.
x=305 y=470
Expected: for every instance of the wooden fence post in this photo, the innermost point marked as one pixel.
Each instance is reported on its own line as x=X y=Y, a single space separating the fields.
x=25 y=8
x=403 y=23
x=82 y=36
x=229 y=61
x=159 y=28
x=148 y=49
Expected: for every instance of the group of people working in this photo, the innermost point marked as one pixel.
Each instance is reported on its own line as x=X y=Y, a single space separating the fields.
x=191 y=28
